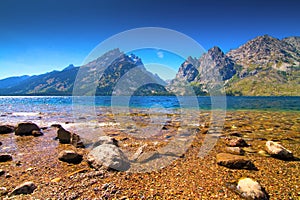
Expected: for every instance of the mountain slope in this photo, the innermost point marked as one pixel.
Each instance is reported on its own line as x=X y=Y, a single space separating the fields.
x=12 y=81
x=98 y=77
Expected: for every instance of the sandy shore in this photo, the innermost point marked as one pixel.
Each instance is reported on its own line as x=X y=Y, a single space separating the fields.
x=188 y=177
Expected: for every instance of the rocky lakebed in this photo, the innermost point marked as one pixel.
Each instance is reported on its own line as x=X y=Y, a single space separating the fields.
x=255 y=156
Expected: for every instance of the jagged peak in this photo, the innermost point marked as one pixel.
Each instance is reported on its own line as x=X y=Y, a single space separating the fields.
x=215 y=50
x=71 y=66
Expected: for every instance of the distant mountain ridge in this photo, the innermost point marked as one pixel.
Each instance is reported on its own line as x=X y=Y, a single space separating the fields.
x=262 y=66
x=62 y=82
x=12 y=81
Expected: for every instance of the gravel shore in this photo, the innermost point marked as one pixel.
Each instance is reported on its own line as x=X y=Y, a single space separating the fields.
x=35 y=159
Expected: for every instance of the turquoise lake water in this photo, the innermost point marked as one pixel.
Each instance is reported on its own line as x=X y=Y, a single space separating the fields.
x=65 y=104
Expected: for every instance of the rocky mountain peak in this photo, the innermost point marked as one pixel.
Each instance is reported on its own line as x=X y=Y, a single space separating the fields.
x=215 y=64
x=263 y=52
x=294 y=41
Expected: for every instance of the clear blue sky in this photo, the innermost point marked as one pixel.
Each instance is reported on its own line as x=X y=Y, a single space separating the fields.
x=37 y=36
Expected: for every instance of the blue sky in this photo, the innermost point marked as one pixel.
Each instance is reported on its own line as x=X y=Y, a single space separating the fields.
x=39 y=36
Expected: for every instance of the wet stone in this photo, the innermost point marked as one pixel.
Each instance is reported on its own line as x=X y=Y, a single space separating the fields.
x=236 y=142
x=234 y=161
x=4 y=129
x=70 y=156
x=2 y=172
x=63 y=136
x=25 y=188
x=3 y=191
x=278 y=151
x=5 y=157
x=26 y=129
x=235 y=150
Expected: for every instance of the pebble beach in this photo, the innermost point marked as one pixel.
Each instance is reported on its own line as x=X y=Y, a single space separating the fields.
x=35 y=159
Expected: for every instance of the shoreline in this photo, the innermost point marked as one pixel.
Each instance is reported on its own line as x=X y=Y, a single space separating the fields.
x=36 y=159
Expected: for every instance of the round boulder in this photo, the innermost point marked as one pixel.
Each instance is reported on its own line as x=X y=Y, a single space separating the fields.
x=110 y=156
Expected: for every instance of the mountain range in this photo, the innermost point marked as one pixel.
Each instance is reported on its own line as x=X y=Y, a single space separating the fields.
x=263 y=66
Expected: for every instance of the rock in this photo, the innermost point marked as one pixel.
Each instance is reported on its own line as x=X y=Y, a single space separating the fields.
x=56 y=125
x=3 y=191
x=236 y=134
x=251 y=189
x=148 y=156
x=26 y=129
x=5 y=157
x=236 y=142
x=76 y=141
x=56 y=180
x=4 y=129
x=110 y=156
x=278 y=151
x=36 y=133
x=70 y=156
x=64 y=136
x=235 y=150
x=138 y=152
x=234 y=161
x=105 y=140
x=2 y=172
x=25 y=188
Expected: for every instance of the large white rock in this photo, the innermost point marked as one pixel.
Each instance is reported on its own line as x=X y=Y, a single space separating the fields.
x=277 y=150
x=110 y=156
x=250 y=189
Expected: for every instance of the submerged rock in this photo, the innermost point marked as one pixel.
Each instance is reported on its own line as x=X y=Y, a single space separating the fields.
x=26 y=129
x=278 y=151
x=5 y=157
x=235 y=150
x=25 y=188
x=236 y=142
x=110 y=156
x=234 y=161
x=250 y=189
x=4 y=129
x=70 y=156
